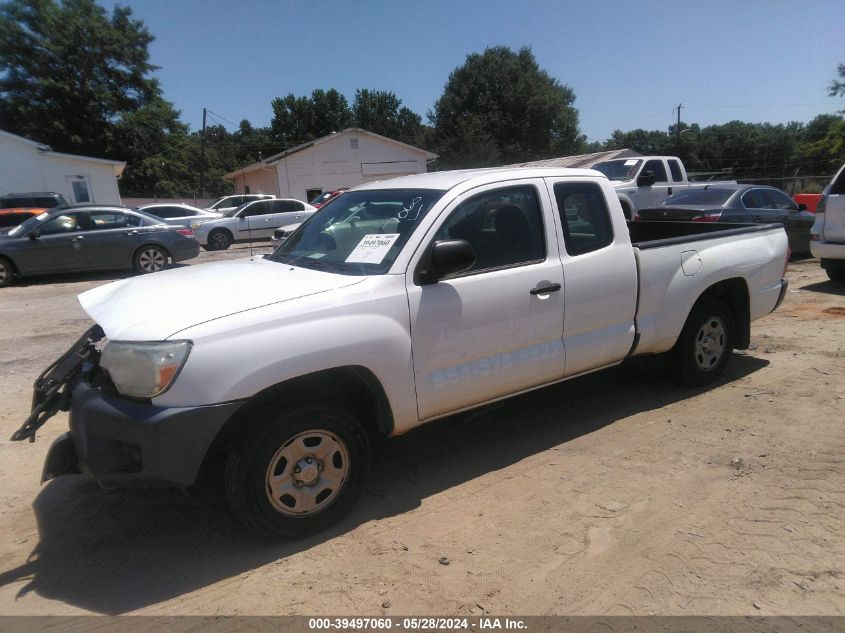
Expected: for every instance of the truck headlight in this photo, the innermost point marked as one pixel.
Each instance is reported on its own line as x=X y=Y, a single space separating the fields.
x=143 y=370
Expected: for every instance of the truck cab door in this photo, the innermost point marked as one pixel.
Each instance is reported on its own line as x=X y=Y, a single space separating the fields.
x=496 y=328
x=654 y=194
x=601 y=276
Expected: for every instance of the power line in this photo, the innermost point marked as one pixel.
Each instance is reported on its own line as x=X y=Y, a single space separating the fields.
x=165 y=151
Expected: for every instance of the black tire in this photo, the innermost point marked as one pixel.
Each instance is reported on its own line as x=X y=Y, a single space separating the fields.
x=704 y=348
x=834 y=273
x=219 y=240
x=270 y=440
x=7 y=272
x=150 y=259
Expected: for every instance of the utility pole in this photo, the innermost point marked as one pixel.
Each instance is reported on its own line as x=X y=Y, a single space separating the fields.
x=202 y=157
x=678 y=130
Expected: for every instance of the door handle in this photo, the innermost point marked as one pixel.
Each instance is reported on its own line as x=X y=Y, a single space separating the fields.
x=132 y=233
x=77 y=238
x=544 y=290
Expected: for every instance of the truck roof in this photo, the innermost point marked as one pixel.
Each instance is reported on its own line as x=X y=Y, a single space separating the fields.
x=443 y=180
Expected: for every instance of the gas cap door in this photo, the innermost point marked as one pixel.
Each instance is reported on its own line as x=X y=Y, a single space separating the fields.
x=690 y=262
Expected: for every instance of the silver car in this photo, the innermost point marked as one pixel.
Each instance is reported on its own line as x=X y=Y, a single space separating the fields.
x=179 y=214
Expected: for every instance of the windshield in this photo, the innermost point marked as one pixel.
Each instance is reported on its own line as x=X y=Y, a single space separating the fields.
x=623 y=169
x=27 y=225
x=710 y=197
x=358 y=233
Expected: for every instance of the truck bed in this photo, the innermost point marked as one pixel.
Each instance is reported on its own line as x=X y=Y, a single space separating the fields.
x=678 y=261
x=655 y=234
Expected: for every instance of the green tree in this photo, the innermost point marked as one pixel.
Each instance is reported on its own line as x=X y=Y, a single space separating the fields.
x=501 y=107
x=69 y=72
x=300 y=119
x=382 y=112
x=836 y=87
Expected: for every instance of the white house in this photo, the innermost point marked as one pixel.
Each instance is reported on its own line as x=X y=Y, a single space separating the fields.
x=342 y=159
x=26 y=165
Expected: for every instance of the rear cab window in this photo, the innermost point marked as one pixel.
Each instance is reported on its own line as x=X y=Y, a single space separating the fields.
x=675 y=168
x=584 y=217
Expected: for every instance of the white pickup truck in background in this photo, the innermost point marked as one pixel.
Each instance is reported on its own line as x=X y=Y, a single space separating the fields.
x=397 y=303
x=827 y=237
x=646 y=181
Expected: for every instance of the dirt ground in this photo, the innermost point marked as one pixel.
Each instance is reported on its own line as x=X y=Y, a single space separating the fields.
x=617 y=493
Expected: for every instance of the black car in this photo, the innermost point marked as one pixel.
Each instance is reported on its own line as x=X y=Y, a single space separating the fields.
x=92 y=238
x=32 y=200
x=744 y=204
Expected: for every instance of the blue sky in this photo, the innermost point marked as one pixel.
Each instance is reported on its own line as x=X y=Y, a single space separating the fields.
x=630 y=63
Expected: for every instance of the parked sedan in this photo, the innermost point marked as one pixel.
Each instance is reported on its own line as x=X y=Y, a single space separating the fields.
x=92 y=238
x=179 y=214
x=252 y=222
x=755 y=204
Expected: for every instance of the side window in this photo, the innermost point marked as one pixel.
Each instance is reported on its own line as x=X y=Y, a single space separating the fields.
x=168 y=212
x=285 y=206
x=504 y=226
x=780 y=200
x=659 y=170
x=130 y=219
x=107 y=220
x=675 y=168
x=65 y=223
x=755 y=199
x=584 y=216
x=257 y=208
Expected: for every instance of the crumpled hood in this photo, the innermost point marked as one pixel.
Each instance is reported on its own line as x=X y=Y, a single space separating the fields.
x=155 y=307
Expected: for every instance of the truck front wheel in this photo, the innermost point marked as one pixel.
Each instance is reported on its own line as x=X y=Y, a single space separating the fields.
x=704 y=348
x=298 y=471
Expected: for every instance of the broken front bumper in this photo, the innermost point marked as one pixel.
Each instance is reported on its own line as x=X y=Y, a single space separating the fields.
x=113 y=439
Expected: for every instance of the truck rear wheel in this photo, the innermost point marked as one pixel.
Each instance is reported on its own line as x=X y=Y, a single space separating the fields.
x=704 y=348
x=836 y=273
x=298 y=470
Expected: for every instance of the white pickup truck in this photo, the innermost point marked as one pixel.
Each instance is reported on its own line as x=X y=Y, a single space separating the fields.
x=646 y=181
x=827 y=237
x=395 y=304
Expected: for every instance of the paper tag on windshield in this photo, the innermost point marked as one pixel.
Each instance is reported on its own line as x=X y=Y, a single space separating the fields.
x=628 y=163
x=372 y=248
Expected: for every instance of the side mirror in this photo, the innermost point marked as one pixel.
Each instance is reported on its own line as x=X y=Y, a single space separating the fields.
x=447 y=257
x=802 y=207
x=35 y=234
x=646 y=179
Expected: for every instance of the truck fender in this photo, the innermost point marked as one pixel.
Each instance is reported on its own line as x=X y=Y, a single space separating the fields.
x=355 y=387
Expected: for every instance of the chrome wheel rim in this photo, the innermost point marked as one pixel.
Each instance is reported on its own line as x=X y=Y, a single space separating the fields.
x=219 y=240
x=307 y=473
x=151 y=260
x=710 y=343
